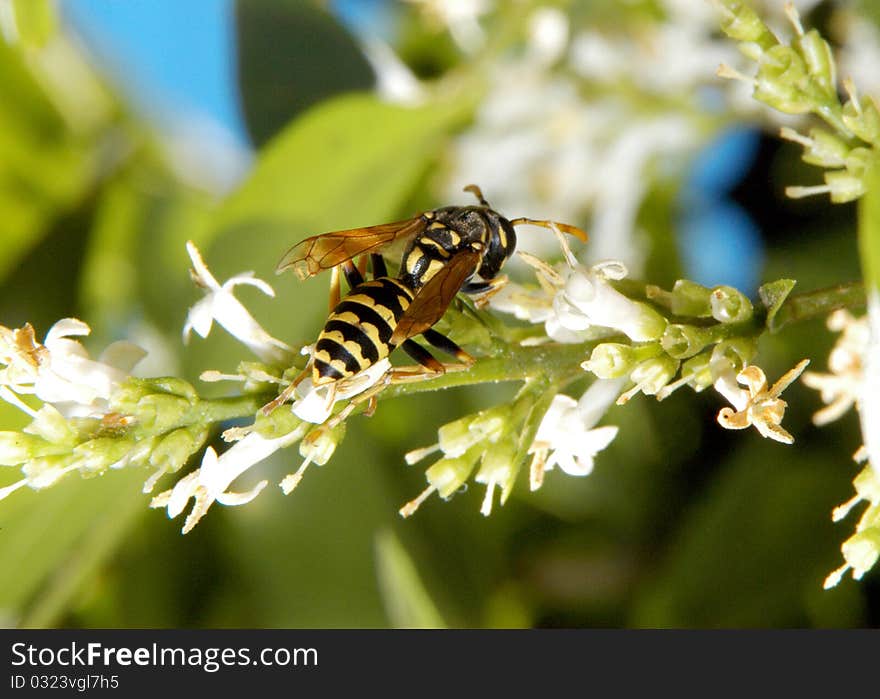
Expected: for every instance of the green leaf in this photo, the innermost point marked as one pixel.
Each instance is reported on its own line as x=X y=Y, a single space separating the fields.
x=292 y=55
x=346 y=163
x=44 y=169
x=773 y=295
x=53 y=540
x=36 y=21
x=407 y=601
x=869 y=230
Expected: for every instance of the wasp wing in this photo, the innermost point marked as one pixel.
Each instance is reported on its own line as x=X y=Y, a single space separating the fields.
x=320 y=252
x=432 y=300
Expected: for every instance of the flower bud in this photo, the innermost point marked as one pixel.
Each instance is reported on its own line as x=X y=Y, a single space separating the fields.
x=276 y=424
x=697 y=371
x=820 y=148
x=730 y=305
x=780 y=80
x=682 y=341
x=173 y=450
x=611 y=360
x=819 y=60
x=51 y=426
x=43 y=472
x=448 y=474
x=498 y=467
x=862 y=118
x=740 y=22
x=18 y=447
x=99 y=454
x=844 y=186
x=161 y=411
x=654 y=374
x=318 y=446
x=488 y=425
x=173 y=386
x=731 y=355
x=862 y=549
x=690 y=299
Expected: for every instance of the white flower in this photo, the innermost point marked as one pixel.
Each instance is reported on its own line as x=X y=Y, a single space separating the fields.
x=588 y=300
x=60 y=371
x=841 y=388
x=221 y=305
x=757 y=404
x=211 y=481
x=869 y=402
x=567 y=435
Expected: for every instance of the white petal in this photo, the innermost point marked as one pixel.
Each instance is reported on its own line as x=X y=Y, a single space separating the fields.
x=578 y=466
x=596 y=440
x=123 y=355
x=184 y=489
x=199 y=318
x=203 y=274
x=313 y=406
x=596 y=400
x=231 y=499
x=66 y=327
x=248 y=279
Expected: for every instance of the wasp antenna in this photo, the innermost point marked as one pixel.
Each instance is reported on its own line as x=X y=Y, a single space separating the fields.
x=553 y=226
x=478 y=193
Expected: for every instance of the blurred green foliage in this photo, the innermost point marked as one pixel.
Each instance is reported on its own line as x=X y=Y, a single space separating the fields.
x=680 y=525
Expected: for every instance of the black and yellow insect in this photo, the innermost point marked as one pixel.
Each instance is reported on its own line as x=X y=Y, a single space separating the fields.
x=447 y=250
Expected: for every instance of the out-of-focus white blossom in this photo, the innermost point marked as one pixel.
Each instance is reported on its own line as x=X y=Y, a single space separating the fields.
x=219 y=304
x=869 y=403
x=395 y=82
x=459 y=17
x=841 y=388
x=859 y=53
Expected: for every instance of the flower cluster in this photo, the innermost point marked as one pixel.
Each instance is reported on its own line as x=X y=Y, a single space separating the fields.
x=94 y=416
x=800 y=77
x=848 y=384
x=691 y=335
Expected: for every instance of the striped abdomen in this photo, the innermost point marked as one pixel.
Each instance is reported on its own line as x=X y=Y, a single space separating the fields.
x=358 y=332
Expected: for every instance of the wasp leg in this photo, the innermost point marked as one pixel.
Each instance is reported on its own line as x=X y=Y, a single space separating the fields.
x=352 y=274
x=372 y=402
x=378 y=264
x=423 y=357
x=368 y=396
x=287 y=392
x=335 y=292
x=483 y=291
x=477 y=192
x=362 y=266
x=429 y=367
x=443 y=343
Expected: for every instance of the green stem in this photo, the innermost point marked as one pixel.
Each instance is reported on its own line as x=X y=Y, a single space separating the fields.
x=816 y=304
x=550 y=362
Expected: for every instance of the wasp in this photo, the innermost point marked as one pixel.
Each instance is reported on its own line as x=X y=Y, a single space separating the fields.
x=446 y=251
